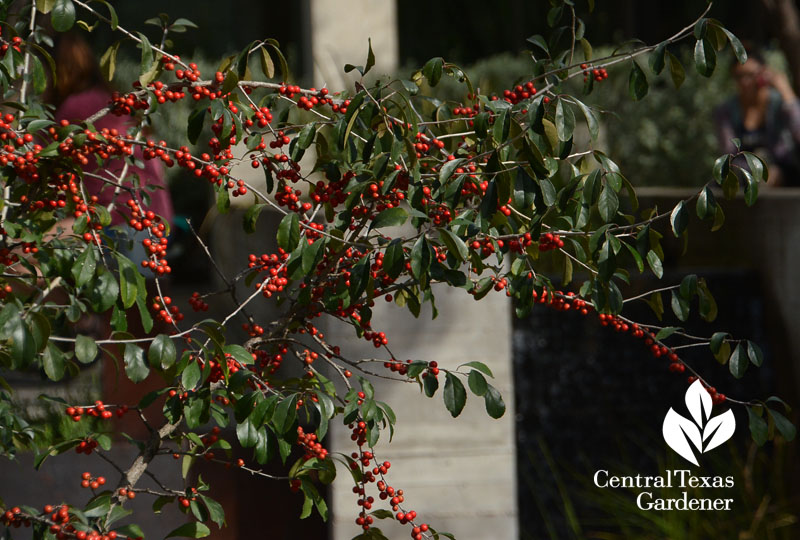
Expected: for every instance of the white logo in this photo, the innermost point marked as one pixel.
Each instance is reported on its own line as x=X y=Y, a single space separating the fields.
x=704 y=430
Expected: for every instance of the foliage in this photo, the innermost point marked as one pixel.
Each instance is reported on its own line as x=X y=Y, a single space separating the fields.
x=766 y=506
x=404 y=191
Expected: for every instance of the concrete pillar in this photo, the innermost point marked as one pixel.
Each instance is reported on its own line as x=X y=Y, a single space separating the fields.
x=458 y=474
x=339 y=34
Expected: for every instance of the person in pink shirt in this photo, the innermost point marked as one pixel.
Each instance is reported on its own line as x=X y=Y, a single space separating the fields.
x=79 y=92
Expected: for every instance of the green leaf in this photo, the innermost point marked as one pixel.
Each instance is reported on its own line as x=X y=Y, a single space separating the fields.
x=85 y=349
x=455 y=396
x=738 y=362
x=432 y=70
x=391 y=217
x=637 y=82
x=135 y=367
x=53 y=362
x=654 y=262
x=147 y=54
x=285 y=414
x=62 y=16
x=195 y=126
x=480 y=366
x=455 y=245
x=664 y=333
x=477 y=383
x=190 y=530
x=311 y=254
x=608 y=204
x=591 y=119
x=705 y=58
x=421 y=259
x=716 y=341
x=680 y=307
x=161 y=353
x=565 y=121
x=289 y=232
x=658 y=58
x=679 y=218
x=23 y=346
x=676 y=70
x=495 y=405
x=394 y=258
x=85 y=266
x=756 y=165
x=759 y=430
x=370 y=57
x=215 y=511
x=706 y=204
x=688 y=286
x=722 y=166
x=108 y=62
x=784 y=426
x=250 y=218
x=754 y=353
x=549 y=194
x=247 y=433
x=191 y=375
x=736 y=45
x=430 y=384
x=127 y=281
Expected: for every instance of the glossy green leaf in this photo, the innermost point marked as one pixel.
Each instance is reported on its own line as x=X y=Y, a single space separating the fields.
x=85 y=266
x=676 y=70
x=738 y=362
x=679 y=219
x=783 y=425
x=759 y=430
x=289 y=232
x=637 y=82
x=608 y=204
x=495 y=405
x=135 y=367
x=705 y=57
x=85 y=349
x=62 y=16
x=754 y=354
x=455 y=396
x=391 y=217
x=565 y=120
x=477 y=383
x=190 y=530
x=680 y=307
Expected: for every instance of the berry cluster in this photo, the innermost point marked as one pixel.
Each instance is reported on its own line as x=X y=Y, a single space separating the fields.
x=86 y=447
x=88 y=481
x=308 y=441
x=598 y=74
x=519 y=93
x=197 y=302
x=550 y=241
x=98 y=410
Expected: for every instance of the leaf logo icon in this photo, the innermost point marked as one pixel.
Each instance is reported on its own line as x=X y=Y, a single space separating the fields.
x=702 y=431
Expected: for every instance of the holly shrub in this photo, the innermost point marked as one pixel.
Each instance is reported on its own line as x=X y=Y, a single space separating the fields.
x=491 y=194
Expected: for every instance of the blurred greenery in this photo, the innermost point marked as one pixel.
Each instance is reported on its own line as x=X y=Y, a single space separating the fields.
x=764 y=507
x=666 y=139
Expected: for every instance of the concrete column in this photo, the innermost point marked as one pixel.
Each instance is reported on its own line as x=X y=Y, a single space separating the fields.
x=339 y=34
x=458 y=474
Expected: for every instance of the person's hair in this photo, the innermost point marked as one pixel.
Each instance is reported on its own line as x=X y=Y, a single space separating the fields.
x=77 y=68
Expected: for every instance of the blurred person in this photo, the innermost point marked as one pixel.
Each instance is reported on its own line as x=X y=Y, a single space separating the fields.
x=765 y=116
x=78 y=92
